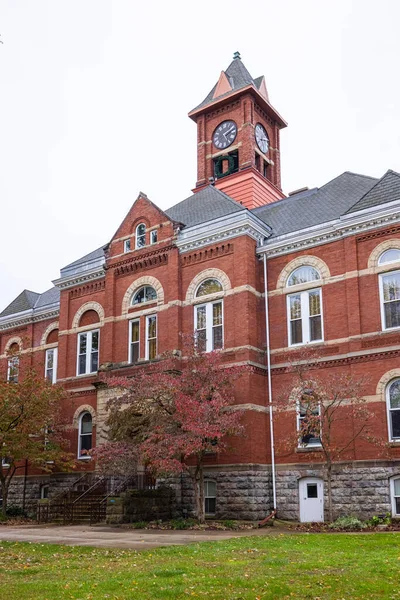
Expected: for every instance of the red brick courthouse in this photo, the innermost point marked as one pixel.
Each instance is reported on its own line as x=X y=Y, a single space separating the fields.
x=329 y=259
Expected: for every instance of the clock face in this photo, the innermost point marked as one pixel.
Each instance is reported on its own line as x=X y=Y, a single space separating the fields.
x=225 y=134
x=261 y=138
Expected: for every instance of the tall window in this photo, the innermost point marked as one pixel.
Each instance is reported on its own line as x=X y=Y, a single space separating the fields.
x=308 y=423
x=144 y=294
x=210 y=493
x=393 y=409
x=134 y=340
x=85 y=435
x=51 y=365
x=140 y=239
x=153 y=236
x=127 y=246
x=395 y=496
x=208 y=317
x=13 y=369
x=390 y=299
x=88 y=352
x=151 y=337
x=304 y=308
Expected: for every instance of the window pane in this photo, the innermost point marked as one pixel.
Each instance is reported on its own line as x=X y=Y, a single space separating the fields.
x=94 y=362
x=141 y=229
x=95 y=341
x=303 y=275
x=217 y=313
x=395 y=416
x=296 y=332
x=397 y=487
x=86 y=442
x=201 y=317
x=210 y=286
x=144 y=294
x=392 y=314
x=389 y=256
x=314 y=303
x=210 y=488
x=152 y=349
x=397 y=502
x=50 y=359
x=135 y=331
x=151 y=327
x=295 y=307
x=134 y=352
x=153 y=237
x=209 y=506
x=315 y=329
x=202 y=340
x=394 y=394
x=312 y=490
x=86 y=423
x=217 y=337
x=82 y=343
x=391 y=287
x=82 y=364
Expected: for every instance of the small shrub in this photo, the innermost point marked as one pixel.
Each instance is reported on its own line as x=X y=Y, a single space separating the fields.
x=379 y=520
x=182 y=523
x=230 y=524
x=15 y=511
x=347 y=523
x=139 y=525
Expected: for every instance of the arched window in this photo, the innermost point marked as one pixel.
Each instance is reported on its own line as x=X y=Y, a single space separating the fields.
x=144 y=294
x=85 y=435
x=303 y=274
x=304 y=308
x=393 y=409
x=208 y=317
x=389 y=256
x=140 y=239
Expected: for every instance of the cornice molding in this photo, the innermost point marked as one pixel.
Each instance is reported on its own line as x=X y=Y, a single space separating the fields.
x=71 y=281
x=28 y=317
x=334 y=230
x=223 y=228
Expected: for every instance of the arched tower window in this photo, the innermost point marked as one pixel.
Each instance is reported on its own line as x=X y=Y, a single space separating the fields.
x=140 y=237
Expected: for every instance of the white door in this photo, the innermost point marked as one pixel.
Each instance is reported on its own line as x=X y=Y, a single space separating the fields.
x=311 y=494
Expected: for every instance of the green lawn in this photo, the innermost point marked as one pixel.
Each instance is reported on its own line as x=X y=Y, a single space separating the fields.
x=302 y=566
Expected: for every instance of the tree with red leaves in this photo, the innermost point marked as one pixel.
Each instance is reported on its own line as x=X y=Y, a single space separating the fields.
x=171 y=414
x=30 y=428
x=332 y=414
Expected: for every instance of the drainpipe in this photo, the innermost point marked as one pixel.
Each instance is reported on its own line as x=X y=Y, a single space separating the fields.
x=271 y=420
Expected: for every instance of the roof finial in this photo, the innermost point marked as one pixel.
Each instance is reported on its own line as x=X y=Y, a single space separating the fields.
x=236 y=55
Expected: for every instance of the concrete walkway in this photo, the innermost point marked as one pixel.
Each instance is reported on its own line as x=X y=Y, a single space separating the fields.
x=113 y=537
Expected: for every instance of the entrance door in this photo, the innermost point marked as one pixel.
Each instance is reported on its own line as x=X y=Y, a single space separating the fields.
x=311 y=494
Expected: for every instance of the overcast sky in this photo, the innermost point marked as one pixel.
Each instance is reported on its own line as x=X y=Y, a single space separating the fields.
x=94 y=96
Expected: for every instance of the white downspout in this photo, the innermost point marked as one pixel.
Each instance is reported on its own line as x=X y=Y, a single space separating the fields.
x=271 y=420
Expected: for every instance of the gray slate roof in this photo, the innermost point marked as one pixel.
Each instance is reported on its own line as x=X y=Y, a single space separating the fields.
x=28 y=300
x=387 y=189
x=99 y=253
x=206 y=205
x=315 y=206
x=238 y=77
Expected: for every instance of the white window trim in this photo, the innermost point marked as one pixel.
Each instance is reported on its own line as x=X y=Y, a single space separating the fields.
x=89 y=333
x=130 y=339
x=298 y=419
x=207 y=496
x=388 y=411
x=305 y=320
x=209 y=321
x=392 y=497
x=381 y=301
x=84 y=456
x=55 y=360
x=147 y=353
x=136 y=236
x=127 y=245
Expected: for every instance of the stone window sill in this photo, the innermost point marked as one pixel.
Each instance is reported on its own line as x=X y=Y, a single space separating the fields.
x=309 y=449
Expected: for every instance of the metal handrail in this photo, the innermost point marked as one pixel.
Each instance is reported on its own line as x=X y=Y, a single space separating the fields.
x=96 y=483
x=70 y=489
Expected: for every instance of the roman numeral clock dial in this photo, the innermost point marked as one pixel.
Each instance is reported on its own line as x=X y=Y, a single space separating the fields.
x=261 y=138
x=225 y=134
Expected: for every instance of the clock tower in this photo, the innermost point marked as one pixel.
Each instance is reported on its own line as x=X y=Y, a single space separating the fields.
x=238 y=147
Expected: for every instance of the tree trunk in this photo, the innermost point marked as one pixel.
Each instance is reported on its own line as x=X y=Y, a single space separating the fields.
x=4 y=495
x=329 y=482
x=198 y=484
